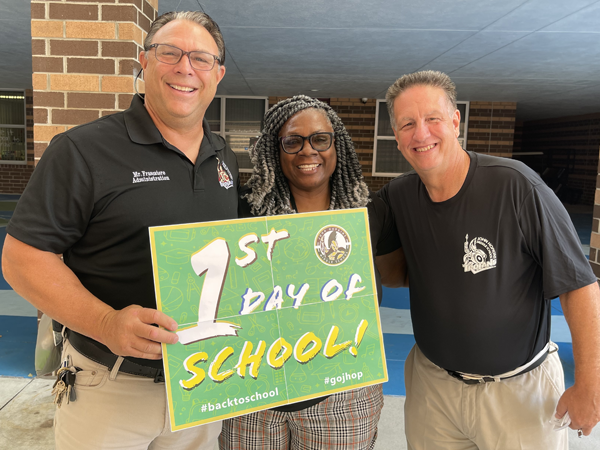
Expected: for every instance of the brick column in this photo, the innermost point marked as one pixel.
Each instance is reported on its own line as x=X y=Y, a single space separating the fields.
x=595 y=239
x=85 y=58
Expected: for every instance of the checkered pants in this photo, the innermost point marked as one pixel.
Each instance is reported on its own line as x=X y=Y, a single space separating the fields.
x=346 y=420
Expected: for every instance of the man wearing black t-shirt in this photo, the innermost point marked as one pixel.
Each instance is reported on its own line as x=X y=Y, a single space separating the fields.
x=91 y=199
x=486 y=245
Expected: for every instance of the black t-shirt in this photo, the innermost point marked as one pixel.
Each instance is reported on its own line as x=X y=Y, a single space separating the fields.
x=484 y=264
x=99 y=187
x=383 y=240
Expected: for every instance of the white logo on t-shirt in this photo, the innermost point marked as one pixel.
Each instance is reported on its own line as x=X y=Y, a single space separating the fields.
x=477 y=260
x=144 y=177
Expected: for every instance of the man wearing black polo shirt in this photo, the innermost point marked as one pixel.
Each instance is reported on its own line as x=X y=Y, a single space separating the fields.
x=91 y=199
x=486 y=246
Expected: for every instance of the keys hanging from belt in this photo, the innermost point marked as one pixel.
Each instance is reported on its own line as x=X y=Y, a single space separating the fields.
x=64 y=386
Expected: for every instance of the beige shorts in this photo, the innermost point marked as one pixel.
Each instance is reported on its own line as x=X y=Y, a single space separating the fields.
x=443 y=413
x=121 y=411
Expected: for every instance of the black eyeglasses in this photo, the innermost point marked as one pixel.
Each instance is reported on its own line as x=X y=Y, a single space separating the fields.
x=169 y=54
x=319 y=141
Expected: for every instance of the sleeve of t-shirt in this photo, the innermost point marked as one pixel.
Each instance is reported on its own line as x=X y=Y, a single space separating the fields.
x=56 y=206
x=389 y=240
x=553 y=242
x=376 y=209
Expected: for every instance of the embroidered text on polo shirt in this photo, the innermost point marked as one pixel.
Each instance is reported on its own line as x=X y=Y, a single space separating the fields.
x=144 y=177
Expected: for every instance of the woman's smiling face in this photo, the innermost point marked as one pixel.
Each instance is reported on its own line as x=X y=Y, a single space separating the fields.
x=308 y=170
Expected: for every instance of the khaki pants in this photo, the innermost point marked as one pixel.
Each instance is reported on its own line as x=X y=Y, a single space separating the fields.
x=443 y=413
x=120 y=411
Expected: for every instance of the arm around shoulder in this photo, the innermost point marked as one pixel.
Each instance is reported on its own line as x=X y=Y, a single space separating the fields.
x=392 y=268
x=390 y=260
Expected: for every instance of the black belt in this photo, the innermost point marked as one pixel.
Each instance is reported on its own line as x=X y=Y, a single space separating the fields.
x=86 y=347
x=458 y=375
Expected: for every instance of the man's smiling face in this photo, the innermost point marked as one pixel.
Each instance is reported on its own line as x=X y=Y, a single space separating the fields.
x=178 y=92
x=426 y=128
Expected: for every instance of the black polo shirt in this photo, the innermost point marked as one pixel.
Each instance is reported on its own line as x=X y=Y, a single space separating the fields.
x=99 y=187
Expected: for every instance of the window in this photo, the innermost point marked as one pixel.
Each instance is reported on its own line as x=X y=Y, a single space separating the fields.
x=387 y=159
x=238 y=120
x=13 y=143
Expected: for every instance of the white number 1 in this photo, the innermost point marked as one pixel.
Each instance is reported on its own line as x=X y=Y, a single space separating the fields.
x=212 y=261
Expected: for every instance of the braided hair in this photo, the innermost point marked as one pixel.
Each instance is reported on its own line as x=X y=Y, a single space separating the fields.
x=269 y=192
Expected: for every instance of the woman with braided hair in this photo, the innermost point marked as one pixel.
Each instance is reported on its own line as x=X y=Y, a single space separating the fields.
x=304 y=161
x=270 y=194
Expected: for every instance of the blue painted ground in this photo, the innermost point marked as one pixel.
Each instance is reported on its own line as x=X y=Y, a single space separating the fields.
x=18 y=330
x=17 y=345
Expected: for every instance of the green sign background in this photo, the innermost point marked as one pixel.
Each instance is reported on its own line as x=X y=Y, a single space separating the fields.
x=294 y=261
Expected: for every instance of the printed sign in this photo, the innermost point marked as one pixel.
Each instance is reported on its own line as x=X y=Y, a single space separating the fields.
x=271 y=311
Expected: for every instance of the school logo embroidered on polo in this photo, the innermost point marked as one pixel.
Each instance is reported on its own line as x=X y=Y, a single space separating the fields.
x=332 y=245
x=480 y=255
x=225 y=178
x=144 y=177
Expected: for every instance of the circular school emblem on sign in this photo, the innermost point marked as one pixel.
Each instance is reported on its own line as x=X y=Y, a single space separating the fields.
x=332 y=245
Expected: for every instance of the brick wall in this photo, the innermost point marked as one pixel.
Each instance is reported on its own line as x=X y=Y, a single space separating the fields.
x=491 y=127
x=518 y=138
x=85 y=58
x=14 y=177
x=359 y=120
x=571 y=143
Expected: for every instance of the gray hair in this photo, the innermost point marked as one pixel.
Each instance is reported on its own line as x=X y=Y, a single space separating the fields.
x=431 y=78
x=198 y=17
x=269 y=192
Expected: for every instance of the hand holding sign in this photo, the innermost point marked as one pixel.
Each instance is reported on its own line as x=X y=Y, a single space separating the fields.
x=130 y=332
